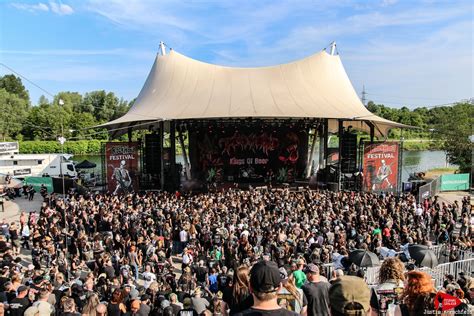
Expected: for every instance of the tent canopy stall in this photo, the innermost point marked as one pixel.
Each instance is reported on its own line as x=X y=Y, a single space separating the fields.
x=181 y=88
x=86 y=164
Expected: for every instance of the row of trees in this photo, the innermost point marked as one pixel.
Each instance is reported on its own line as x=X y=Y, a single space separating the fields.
x=451 y=125
x=19 y=120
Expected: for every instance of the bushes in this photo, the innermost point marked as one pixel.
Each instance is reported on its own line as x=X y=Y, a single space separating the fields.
x=79 y=147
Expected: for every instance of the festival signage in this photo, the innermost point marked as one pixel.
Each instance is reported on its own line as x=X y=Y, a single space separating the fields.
x=22 y=172
x=122 y=167
x=247 y=155
x=381 y=167
x=455 y=182
x=37 y=182
x=9 y=147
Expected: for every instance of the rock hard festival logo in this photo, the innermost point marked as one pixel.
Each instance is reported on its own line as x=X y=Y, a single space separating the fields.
x=381 y=167
x=446 y=302
x=122 y=167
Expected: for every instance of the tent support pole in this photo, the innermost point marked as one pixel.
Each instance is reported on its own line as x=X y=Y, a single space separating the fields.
x=173 y=154
x=162 y=152
x=325 y=143
x=339 y=161
x=309 y=165
x=129 y=134
x=185 y=155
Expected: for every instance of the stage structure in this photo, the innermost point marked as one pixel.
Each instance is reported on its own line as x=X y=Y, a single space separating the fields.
x=249 y=125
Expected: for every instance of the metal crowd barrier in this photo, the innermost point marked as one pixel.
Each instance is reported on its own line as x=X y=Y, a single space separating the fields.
x=372 y=275
x=444 y=251
x=429 y=190
x=453 y=268
x=465 y=264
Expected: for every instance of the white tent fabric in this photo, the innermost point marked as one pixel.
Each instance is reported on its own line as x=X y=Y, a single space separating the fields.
x=179 y=87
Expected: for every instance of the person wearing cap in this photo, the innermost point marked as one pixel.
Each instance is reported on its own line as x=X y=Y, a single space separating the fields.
x=188 y=309
x=199 y=303
x=300 y=276
x=265 y=282
x=349 y=295
x=20 y=303
x=316 y=291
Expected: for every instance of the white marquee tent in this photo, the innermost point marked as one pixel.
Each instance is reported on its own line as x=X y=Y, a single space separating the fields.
x=179 y=88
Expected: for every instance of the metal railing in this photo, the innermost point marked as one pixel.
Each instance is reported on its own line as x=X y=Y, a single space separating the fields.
x=453 y=268
x=443 y=252
x=464 y=264
x=429 y=190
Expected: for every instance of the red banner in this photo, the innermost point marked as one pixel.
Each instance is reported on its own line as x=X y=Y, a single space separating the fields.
x=381 y=166
x=122 y=167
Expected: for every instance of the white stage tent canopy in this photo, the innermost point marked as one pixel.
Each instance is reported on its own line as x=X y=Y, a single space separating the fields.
x=179 y=88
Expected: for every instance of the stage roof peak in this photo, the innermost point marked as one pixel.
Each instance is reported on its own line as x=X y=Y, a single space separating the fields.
x=179 y=87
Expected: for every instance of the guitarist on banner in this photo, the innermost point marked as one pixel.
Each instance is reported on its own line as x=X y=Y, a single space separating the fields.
x=383 y=174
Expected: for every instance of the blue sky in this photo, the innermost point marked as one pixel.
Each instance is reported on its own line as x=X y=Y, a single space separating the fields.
x=410 y=53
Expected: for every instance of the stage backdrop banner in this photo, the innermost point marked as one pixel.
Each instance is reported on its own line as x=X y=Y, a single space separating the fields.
x=249 y=155
x=381 y=167
x=122 y=166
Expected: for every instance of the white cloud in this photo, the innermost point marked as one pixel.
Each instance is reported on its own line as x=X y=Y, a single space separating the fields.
x=386 y=3
x=55 y=7
x=61 y=8
x=31 y=7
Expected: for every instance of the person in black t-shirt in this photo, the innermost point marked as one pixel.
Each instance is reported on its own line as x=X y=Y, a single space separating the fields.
x=265 y=281
x=316 y=291
x=20 y=303
x=201 y=274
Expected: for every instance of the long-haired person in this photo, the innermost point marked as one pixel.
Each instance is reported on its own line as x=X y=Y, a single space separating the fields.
x=419 y=293
x=116 y=307
x=241 y=299
x=91 y=305
x=289 y=296
x=391 y=278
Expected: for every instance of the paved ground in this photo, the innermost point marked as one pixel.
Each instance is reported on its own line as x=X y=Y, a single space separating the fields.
x=13 y=208
x=12 y=213
x=450 y=197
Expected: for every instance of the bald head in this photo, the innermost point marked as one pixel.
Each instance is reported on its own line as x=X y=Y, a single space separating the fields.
x=101 y=309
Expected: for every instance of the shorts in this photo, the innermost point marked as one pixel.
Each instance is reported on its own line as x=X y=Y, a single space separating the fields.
x=17 y=243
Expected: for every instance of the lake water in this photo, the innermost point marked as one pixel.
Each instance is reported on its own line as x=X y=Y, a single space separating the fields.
x=413 y=161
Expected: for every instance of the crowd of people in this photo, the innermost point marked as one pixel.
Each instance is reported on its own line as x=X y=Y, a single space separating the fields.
x=230 y=252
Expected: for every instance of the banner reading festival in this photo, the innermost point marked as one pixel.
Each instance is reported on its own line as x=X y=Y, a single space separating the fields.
x=122 y=167
x=381 y=167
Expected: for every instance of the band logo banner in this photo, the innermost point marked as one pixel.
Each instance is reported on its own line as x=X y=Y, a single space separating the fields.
x=122 y=167
x=381 y=167
x=250 y=155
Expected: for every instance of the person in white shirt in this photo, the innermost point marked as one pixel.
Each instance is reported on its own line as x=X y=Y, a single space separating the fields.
x=187 y=258
x=148 y=276
x=183 y=238
x=419 y=210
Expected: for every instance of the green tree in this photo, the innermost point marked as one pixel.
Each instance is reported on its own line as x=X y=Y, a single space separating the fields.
x=453 y=126
x=12 y=84
x=13 y=112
